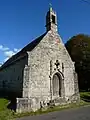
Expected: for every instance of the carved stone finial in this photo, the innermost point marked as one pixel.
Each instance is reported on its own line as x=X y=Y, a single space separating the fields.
x=57 y=63
x=50 y=6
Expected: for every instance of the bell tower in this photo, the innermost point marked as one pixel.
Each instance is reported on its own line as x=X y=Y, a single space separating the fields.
x=51 y=20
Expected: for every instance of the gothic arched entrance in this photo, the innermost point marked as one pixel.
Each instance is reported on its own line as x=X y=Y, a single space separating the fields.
x=56 y=84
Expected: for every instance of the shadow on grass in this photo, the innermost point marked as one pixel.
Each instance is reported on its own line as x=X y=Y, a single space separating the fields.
x=10 y=98
x=85 y=96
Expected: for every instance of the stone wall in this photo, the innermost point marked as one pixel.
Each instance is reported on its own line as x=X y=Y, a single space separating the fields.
x=23 y=105
x=11 y=77
x=50 y=48
x=27 y=104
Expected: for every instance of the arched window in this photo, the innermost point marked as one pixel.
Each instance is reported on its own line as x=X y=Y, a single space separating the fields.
x=53 y=19
x=56 y=84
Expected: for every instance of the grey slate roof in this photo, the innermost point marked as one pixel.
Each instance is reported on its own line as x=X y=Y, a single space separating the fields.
x=28 y=47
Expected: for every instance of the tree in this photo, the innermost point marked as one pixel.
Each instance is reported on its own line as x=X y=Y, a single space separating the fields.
x=79 y=49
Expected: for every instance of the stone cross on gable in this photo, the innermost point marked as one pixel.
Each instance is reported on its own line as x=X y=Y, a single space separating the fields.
x=50 y=6
x=57 y=63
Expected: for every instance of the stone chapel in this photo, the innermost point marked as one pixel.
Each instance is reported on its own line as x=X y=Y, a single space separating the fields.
x=42 y=72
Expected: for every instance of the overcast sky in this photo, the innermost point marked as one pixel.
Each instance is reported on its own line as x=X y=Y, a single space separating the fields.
x=21 y=21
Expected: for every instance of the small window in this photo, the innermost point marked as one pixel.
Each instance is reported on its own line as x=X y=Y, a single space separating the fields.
x=53 y=19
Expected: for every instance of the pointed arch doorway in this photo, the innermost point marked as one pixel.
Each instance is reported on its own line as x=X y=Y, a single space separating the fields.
x=56 y=85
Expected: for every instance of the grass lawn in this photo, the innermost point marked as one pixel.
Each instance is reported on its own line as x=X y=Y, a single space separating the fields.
x=3 y=104
x=85 y=96
x=6 y=114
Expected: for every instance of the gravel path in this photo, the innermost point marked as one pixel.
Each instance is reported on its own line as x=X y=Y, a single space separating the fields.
x=82 y=113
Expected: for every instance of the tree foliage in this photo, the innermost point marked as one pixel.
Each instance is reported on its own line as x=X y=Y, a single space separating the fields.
x=79 y=49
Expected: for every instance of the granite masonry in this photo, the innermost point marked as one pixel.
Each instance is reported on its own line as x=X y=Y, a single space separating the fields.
x=42 y=73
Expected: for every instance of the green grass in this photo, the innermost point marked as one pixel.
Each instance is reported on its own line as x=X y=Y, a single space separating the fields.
x=85 y=96
x=82 y=94
x=3 y=104
x=6 y=114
